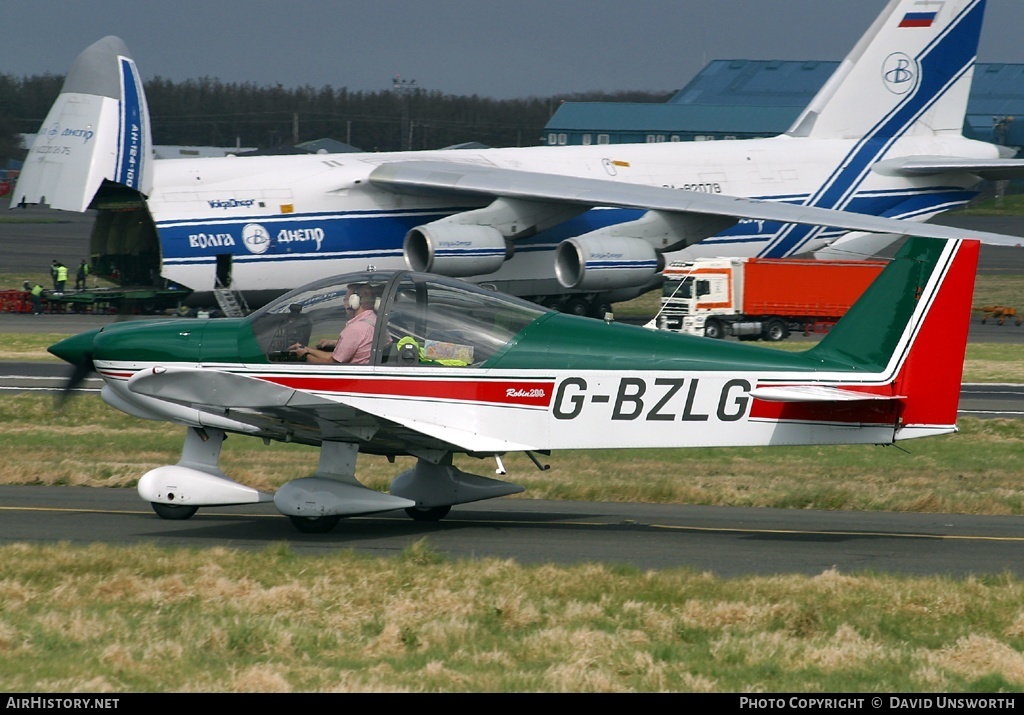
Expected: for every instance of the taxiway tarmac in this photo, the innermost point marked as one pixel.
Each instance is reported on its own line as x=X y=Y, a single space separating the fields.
x=726 y=541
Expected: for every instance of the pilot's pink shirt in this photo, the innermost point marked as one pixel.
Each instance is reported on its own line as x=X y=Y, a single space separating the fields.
x=356 y=340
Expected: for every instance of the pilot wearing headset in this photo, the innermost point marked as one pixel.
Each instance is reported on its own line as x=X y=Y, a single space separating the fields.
x=356 y=339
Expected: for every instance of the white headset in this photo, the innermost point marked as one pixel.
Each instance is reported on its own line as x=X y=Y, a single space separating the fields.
x=354 y=302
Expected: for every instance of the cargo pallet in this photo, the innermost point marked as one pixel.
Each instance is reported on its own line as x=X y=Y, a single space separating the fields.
x=102 y=301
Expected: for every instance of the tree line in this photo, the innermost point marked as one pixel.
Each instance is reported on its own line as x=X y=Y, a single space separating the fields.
x=208 y=112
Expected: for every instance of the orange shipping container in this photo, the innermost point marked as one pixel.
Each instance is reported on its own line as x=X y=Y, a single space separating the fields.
x=797 y=287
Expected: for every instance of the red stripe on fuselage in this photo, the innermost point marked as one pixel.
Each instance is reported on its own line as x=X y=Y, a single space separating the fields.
x=116 y=375
x=875 y=412
x=504 y=392
x=867 y=412
x=843 y=412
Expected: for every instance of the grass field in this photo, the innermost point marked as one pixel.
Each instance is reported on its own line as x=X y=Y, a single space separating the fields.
x=145 y=619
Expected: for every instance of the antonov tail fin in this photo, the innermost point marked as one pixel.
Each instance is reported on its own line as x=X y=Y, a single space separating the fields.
x=909 y=74
x=97 y=130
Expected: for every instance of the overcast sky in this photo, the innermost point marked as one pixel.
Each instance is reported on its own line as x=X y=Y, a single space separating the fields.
x=493 y=48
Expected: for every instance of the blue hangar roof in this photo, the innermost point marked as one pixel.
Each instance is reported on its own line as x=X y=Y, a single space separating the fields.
x=737 y=99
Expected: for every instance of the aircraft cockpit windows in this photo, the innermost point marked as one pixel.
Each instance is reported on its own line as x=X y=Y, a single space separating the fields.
x=310 y=316
x=447 y=323
x=421 y=319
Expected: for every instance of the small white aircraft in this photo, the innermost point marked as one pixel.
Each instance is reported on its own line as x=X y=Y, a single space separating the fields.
x=455 y=368
x=882 y=141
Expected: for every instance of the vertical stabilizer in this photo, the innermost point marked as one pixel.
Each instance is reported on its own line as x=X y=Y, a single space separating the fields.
x=930 y=376
x=909 y=74
x=909 y=331
x=98 y=129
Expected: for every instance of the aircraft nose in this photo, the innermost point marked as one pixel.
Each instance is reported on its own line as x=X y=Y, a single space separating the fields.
x=77 y=349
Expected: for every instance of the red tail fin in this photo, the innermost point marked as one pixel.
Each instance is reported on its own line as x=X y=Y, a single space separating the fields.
x=930 y=375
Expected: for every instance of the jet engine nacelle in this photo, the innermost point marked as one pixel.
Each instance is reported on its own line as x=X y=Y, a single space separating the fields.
x=605 y=263
x=456 y=250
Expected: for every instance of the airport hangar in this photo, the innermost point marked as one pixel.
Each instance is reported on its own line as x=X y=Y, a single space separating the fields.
x=742 y=99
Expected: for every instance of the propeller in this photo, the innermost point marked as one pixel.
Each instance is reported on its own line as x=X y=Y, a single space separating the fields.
x=79 y=372
x=78 y=351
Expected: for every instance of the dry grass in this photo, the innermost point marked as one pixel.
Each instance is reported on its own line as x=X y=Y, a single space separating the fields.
x=144 y=619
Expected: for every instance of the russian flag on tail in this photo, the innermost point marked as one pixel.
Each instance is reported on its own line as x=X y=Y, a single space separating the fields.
x=921 y=19
x=918 y=19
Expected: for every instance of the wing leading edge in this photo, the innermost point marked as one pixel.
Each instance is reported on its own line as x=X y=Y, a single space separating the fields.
x=472 y=180
x=340 y=417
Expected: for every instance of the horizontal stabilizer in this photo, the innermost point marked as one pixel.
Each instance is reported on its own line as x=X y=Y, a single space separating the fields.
x=990 y=170
x=815 y=393
x=917 y=431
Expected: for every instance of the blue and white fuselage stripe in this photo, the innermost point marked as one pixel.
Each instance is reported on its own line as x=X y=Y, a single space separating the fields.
x=378 y=235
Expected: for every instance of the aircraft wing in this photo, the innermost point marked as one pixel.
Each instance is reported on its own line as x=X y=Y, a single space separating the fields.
x=991 y=170
x=260 y=403
x=266 y=404
x=475 y=180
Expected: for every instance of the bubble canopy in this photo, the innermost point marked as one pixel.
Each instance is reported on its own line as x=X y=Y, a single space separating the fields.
x=445 y=321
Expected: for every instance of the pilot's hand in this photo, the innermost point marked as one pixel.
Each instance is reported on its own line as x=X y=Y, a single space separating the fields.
x=300 y=350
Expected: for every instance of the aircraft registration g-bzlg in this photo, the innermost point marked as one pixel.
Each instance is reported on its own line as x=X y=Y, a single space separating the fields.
x=455 y=368
x=580 y=226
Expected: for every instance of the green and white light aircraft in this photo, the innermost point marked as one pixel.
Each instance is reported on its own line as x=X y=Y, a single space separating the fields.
x=455 y=368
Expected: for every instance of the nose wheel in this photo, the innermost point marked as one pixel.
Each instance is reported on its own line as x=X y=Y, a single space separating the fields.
x=315 y=524
x=174 y=512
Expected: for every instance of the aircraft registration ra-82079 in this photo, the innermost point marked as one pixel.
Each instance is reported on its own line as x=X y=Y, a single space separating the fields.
x=455 y=368
x=573 y=226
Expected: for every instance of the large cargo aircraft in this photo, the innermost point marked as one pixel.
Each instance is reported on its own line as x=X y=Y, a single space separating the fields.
x=577 y=227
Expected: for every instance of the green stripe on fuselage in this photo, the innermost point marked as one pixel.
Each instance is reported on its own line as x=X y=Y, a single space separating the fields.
x=566 y=342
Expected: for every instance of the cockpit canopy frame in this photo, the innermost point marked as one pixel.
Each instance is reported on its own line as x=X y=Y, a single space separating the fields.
x=422 y=319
